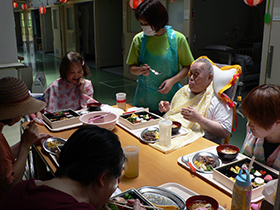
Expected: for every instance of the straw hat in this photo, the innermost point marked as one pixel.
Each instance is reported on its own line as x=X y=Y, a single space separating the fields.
x=15 y=100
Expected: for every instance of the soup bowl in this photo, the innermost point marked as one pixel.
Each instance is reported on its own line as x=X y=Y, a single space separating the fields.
x=94 y=106
x=227 y=152
x=108 y=121
x=176 y=126
x=201 y=201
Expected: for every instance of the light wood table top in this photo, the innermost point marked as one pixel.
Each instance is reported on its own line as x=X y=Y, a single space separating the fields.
x=156 y=168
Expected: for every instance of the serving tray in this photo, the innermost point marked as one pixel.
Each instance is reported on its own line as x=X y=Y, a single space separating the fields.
x=209 y=176
x=182 y=191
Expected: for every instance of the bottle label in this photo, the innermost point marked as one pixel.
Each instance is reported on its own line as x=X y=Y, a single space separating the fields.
x=241 y=200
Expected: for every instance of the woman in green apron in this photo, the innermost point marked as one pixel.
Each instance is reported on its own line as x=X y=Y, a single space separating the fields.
x=161 y=48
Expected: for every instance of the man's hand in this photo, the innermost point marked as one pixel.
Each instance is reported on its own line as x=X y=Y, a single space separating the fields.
x=163 y=106
x=191 y=114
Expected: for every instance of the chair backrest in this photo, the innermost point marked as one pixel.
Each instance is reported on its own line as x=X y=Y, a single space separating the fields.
x=232 y=90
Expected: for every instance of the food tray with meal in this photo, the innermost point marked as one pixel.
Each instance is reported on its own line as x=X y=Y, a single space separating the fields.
x=260 y=174
x=139 y=119
x=222 y=182
x=60 y=120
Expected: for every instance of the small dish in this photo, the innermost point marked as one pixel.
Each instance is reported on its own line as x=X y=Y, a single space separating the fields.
x=50 y=145
x=176 y=126
x=227 y=152
x=152 y=134
x=199 y=201
x=214 y=159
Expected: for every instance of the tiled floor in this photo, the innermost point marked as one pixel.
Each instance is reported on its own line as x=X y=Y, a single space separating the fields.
x=106 y=84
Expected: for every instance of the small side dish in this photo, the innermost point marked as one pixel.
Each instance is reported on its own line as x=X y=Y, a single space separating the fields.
x=205 y=162
x=53 y=145
x=150 y=135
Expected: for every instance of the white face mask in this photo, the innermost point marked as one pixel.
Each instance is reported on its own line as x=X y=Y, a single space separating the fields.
x=148 y=30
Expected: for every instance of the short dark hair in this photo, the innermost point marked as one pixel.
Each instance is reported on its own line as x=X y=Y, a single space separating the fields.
x=88 y=153
x=262 y=105
x=72 y=57
x=153 y=12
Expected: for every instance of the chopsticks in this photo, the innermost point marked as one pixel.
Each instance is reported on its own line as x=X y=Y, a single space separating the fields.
x=96 y=118
x=118 y=203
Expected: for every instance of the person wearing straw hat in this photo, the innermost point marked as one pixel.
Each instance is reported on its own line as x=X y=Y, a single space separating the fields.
x=15 y=102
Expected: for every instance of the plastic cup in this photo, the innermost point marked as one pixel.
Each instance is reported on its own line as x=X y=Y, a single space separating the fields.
x=131 y=167
x=121 y=101
x=165 y=132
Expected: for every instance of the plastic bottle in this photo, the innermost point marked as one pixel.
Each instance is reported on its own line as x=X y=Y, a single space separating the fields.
x=242 y=191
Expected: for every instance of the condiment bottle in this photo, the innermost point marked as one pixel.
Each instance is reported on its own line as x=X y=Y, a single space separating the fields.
x=242 y=191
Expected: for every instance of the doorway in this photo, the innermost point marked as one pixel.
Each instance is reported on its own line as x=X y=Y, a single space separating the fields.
x=230 y=32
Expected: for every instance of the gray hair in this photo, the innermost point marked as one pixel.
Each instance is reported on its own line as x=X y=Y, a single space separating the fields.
x=207 y=67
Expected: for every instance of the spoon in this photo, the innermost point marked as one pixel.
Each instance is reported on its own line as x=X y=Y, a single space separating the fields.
x=186 y=160
x=155 y=72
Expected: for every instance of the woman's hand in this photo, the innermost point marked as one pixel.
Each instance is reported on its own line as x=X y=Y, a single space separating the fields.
x=81 y=85
x=163 y=106
x=191 y=114
x=166 y=86
x=140 y=70
x=30 y=134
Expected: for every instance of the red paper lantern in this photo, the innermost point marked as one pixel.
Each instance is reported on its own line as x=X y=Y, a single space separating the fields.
x=252 y=2
x=15 y=5
x=24 y=6
x=134 y=3
x=42 y=10
x=63 y=1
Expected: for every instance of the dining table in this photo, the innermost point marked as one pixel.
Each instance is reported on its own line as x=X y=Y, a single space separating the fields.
x=155 y=167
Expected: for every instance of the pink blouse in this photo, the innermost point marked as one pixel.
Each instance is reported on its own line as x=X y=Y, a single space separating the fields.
x=62 y=94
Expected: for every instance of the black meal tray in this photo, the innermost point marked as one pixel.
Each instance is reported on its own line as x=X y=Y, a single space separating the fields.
x=125 y=116
x=135 y=194
x=57 y=117
x=225 y=170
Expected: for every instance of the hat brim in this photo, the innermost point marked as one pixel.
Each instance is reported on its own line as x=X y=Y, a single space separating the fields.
x=26 y=107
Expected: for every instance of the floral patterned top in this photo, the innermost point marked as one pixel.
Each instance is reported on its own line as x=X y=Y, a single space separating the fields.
x=62 y=94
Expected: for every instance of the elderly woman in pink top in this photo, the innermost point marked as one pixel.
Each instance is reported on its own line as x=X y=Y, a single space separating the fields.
x=262 y=109
x=71 y=90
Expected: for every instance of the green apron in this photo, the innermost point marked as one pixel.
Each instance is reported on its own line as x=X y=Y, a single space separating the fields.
x=147 y=94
